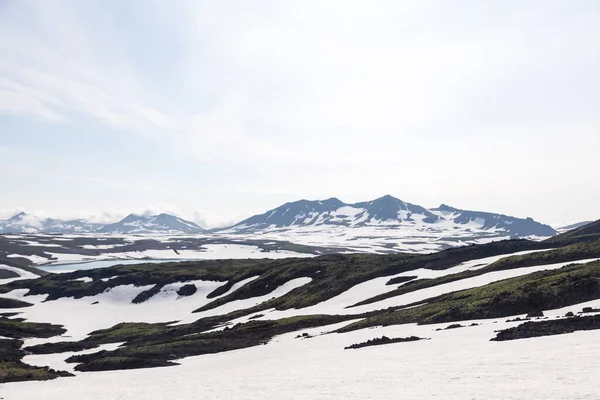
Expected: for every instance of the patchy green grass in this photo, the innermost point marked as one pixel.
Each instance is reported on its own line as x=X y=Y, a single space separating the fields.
x=589 y=232
x=537 y=291
x=151 y=345
x=574 y=252
x=331 y=274
x=17 y=328
x=12 y=369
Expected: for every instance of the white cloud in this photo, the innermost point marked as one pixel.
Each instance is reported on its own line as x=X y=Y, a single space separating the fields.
x=468 y=102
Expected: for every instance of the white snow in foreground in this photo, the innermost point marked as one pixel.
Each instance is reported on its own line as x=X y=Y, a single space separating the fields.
x=456 y=364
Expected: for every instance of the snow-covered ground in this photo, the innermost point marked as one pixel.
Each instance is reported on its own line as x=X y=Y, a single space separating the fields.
x=416 y=236
x=209 y=252
x=115 y=306
x=455 y=364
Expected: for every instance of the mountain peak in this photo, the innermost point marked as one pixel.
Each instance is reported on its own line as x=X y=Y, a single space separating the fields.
x=160 y=223
x=389 y=211
x=387 y=198
x=18 y=216
x=446 y=207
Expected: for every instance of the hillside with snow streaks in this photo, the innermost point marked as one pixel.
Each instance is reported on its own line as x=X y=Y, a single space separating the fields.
x=131 y=224
x=315 y=327
x=313 y=357
x=391 y=213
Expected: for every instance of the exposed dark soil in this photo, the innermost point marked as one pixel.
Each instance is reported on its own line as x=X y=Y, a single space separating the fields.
x=383 y=340
x=551 y=327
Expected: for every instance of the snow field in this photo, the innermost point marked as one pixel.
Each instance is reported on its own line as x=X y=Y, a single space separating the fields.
x=454 y=364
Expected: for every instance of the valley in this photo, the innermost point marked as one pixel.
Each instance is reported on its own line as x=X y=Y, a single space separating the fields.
x=269 y=313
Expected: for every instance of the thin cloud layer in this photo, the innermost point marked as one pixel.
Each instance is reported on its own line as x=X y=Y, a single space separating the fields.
x=235 y=107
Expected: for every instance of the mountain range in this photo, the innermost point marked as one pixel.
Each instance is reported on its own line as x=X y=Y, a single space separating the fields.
x=389 y=212
x=131 y=224
x=386 y=212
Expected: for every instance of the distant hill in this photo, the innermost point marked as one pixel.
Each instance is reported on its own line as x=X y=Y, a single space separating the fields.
x=566 y=228
x=162 y=223
x=391 y=212
x=587 y=232
x=26 y=223
x=387 y=217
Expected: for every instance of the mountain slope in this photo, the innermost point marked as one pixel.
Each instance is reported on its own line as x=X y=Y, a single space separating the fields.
x=587 y=232
x=384 y=210
x=511 y=225
x=391 y=212
x=162 y=223
x=391 y=222
x=26 y=223
x=566 y=228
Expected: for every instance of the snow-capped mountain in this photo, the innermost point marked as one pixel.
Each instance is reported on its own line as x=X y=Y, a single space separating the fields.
x=162 y=223
x=513 y=226
x=387 y=220
x=26 y=223
x=390 y=212
x=386 y=209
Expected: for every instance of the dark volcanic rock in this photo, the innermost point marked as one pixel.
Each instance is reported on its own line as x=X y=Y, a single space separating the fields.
x=400 y=279
x=453 y=326
x=383 y=340
x=12 y=303
x=12 y=369
x=187 y=290
x=535 y=314
x=550 y=327
x=7 y=274
x=586 y=310
x=59 y=347
x=147 y=294
x=116 y=363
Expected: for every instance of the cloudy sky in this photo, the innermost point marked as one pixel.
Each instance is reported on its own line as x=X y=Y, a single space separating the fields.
x=217 y=110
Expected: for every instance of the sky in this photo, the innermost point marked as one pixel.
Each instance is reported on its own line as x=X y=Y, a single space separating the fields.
x=218 y=110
